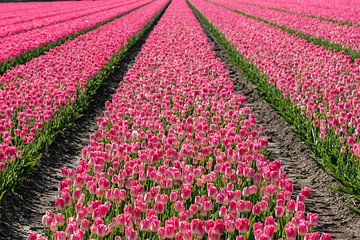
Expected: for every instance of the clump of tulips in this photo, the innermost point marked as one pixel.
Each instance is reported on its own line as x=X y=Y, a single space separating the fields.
x=43 y=94
x=343 y=12
x=347 y=36
x=19 y=38
x=314 y=88
x=176 y=156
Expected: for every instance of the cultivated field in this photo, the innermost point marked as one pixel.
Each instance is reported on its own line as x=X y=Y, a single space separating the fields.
x=180 y=119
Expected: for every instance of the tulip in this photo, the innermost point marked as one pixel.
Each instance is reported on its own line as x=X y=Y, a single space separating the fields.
x=59 y=203
x=302 y=228
x=279 y=211
x=60 y=235
x=130 y=233
x=242 y=225
x=256 y=209
x=290 y=231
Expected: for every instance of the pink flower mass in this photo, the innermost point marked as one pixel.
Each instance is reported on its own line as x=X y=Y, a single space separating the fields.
x=176 y=154
x=31 y=94
x=323 y=84
x=348 y=36
x=19 y=37
x=347 y=11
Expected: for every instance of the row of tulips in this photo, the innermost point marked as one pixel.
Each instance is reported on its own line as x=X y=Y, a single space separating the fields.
x=347 y=36
x=176 y=156
x=9 y=29
x=344 y=12
x=11 y=9
x=18 y=15
x=20 y=48
x=40 y=98
x=315 y=89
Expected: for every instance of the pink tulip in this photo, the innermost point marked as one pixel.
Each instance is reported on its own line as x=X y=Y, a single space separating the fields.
x=197 y=227
x=306 y=192
x=59 y=203
x=325 y=236
x=256 y=209
x=279 y=211
x=302 y=228
x=242 y=225
x=85 y=224
x=159 y=208
x=60 y=235
x=290 y=231
x=130 y=233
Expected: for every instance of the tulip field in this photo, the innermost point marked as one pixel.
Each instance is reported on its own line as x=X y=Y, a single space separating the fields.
x=178 y=152
x=346 y=13
x=343 y=35
x=23 y=39
x=319 y=88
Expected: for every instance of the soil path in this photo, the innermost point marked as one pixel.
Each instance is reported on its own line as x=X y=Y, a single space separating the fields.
x=22 y=211
x=332 y=206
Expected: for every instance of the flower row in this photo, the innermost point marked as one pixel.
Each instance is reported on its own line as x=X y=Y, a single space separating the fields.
x=16 y=14
x=9 y=29
x=348 y=36
x=18 y=44
x=315 y=89
x=31 y=94
x=177 y=156
x=15 y=10
x=345 y=11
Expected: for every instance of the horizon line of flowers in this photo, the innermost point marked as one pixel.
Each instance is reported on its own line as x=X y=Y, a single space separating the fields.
x=347 y=36
x=17 y=44
x=332 y=11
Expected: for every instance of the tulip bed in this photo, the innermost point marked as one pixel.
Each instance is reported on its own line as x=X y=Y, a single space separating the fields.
x=45 y=13
x=20 y=48
x=314 y=89
x=9 y=28
x=16 y=14
x=328 y=33
x=177 y=156
x=40 y=98
x=29 y=10
x=344 y=12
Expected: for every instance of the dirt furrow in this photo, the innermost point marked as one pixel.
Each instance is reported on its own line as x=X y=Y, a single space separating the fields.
x=22 y=211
